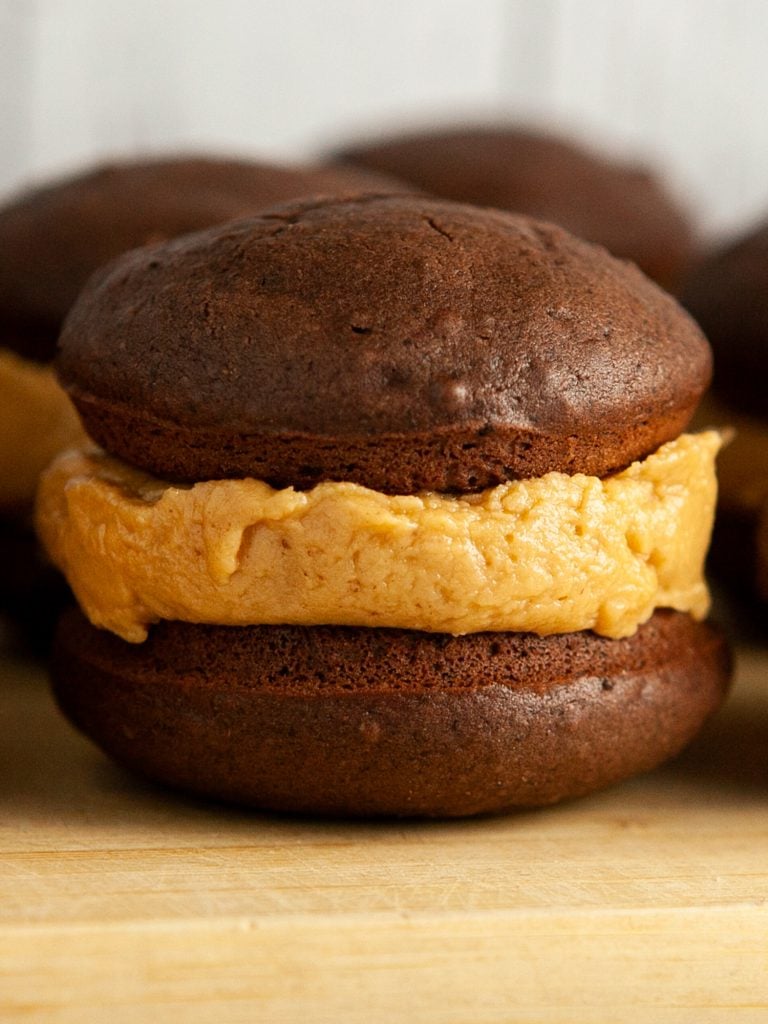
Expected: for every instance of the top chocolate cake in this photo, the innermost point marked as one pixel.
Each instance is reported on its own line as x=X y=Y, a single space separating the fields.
x=397 y=342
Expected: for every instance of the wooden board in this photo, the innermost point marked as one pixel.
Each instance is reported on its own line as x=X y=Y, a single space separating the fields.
x=120 y=902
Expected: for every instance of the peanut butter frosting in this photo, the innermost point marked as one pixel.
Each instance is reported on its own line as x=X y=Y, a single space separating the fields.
x=552 y=554
x=37 y=421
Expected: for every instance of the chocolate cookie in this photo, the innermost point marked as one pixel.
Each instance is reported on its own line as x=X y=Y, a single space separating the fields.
x=397 y=342
x=623 y=207
x=384 y=344
x=727 y=292
x=348 y=721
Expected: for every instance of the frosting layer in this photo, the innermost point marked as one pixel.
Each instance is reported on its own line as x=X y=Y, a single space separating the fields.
x=552 y=554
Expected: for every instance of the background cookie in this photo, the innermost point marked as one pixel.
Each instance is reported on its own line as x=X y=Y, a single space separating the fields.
x=621 y=206
x=727 y=292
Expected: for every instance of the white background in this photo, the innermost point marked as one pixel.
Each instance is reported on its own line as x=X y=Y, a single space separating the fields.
x=682 y=82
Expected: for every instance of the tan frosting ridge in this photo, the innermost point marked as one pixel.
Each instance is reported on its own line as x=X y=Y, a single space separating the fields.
x=552 y=554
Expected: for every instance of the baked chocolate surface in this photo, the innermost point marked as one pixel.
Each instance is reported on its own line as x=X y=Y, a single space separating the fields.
x=727 y=292
x=53 y=237
x=394 y=341
x=342 y=721
x=620 y=206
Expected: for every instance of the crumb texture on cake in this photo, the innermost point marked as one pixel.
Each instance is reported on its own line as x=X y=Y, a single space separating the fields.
x=345 y=721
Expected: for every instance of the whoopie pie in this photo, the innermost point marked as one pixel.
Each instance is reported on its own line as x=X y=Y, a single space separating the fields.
x=392 y=513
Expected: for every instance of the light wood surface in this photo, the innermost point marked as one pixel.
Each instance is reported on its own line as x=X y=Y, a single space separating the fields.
x=120 y=902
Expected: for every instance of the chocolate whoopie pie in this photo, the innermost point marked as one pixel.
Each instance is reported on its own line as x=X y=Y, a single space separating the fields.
x=51 y=239
x=727 y=292
x=621 y=206
x=392 y=514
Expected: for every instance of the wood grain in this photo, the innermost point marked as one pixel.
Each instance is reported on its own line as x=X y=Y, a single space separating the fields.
x=121 y=902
